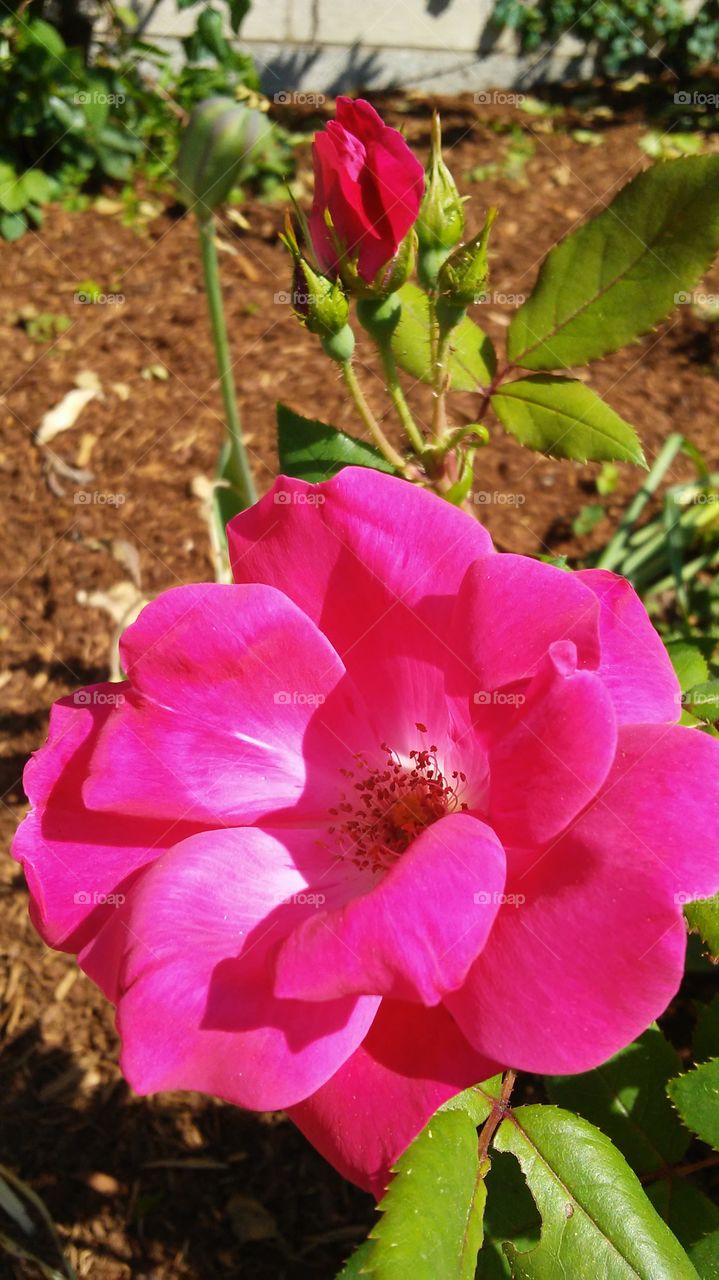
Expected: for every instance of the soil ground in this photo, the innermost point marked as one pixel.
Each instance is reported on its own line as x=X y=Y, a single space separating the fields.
x=178 y=1186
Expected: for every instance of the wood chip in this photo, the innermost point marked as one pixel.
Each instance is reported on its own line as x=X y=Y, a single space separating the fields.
x=64 y=414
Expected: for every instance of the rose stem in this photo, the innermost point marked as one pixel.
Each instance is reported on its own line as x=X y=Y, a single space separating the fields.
x=237 y=471
x=500 y=1107
x=394 y=387
x=368 y=418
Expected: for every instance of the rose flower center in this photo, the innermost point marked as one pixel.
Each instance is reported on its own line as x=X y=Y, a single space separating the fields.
x=385 y=808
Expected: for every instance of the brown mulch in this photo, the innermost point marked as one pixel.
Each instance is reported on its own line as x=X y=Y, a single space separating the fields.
x=180 y=1186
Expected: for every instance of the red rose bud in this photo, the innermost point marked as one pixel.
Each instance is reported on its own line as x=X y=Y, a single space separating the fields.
x=368 y=189
x=463 y=277
x=441 y=215
x=218 y=140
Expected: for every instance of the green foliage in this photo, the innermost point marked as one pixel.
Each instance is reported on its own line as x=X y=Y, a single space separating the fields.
x=69 y=125
x=311 y=450
x=27 y=1232
x=438 y=1179
x=625 y=1099
x=706 y=1031
x=696 y=1098
x=615 y=277
x=596 y=1218
x=693 y=1219
x=666 y=556
x=703 y=918
x=625 y=32
x=472 y=360
x=510 y=1216
x=565 y=419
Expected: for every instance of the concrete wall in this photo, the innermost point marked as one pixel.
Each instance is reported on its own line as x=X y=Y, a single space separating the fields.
x=332 y=46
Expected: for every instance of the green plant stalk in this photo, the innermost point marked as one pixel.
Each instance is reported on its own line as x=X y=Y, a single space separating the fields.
x=613 y=553
x=386 y=449
x=439 y=380
x=404 y=413
x=710 y=560
x=237 y=470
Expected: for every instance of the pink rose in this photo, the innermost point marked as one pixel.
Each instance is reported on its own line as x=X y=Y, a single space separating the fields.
x=389 y=814
x=371 y=184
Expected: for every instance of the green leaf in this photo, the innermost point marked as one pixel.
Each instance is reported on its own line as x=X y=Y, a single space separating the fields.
x=703 y=700
x=238 y=12
x=706 y=1031
x=311 y=450
x=693 y=1219
x=12 y=226
x=37 y=187
x=705 y=1256
x=357 y=1262
x=689 y=663
x=596 y=1219
x=588 y=519
x=565 y=419
x=615 y=277
x=46 y=36
x=473 y=360
x=696 y=1097
x=703 y=918
x=12 y=196
x=431 y=1224
x=626 y=1099
x=476 y=1101
x=510 y=1215
x=27 y=1231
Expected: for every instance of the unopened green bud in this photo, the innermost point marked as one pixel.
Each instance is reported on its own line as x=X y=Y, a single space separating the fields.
x=463 y=277
x=218 y=140
x=441 y=215
x=320 y=304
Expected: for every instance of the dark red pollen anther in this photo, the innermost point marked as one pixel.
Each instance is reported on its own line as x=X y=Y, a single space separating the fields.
x=393 y=806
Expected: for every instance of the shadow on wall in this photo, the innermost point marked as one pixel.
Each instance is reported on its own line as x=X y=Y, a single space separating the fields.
x=292 y=68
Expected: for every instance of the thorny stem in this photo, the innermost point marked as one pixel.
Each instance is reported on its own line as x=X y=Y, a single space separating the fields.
x=386 y=449
x=440 y=381
x=500 y=1107
x=680 y=1170
x=489 y=391
x=394 y=387
x=238 y=470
